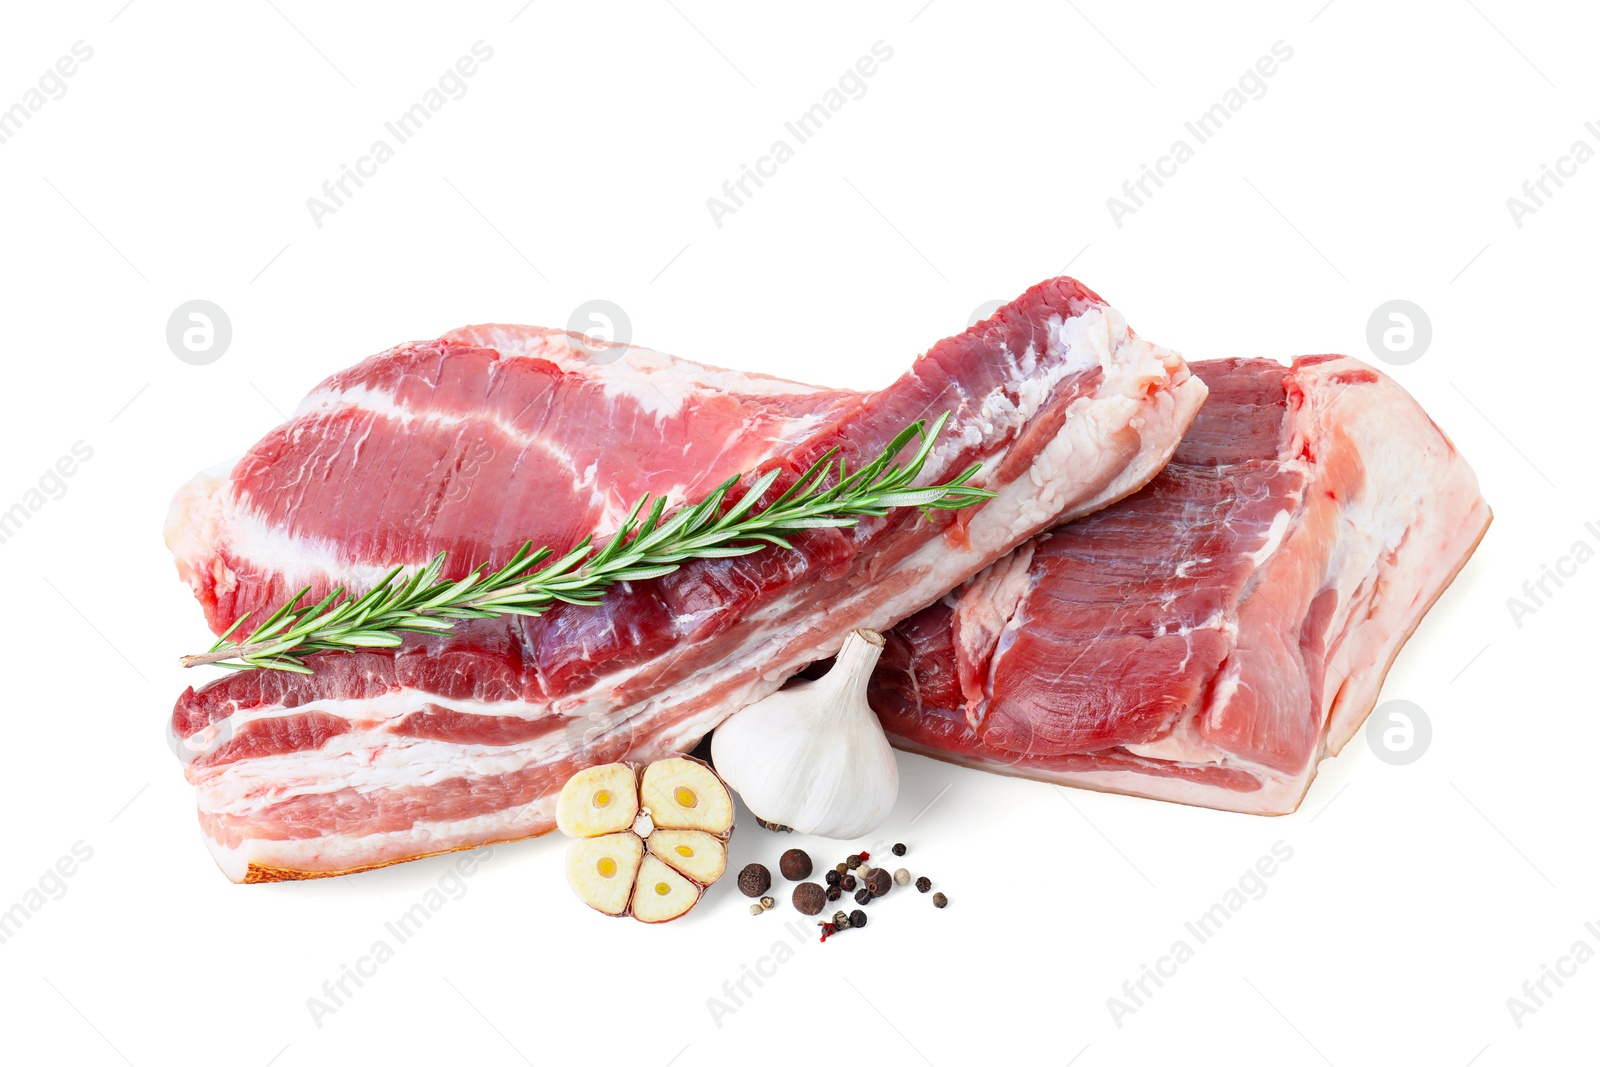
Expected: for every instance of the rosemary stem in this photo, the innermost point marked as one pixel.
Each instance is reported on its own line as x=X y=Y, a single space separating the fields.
x=201 y=659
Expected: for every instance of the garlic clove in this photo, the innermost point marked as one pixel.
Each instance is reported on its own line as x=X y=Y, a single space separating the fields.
x=662 y=894
x=598 y=800
x=601 y=870
x=692 y=853
x=814 y=756
x=684 y=794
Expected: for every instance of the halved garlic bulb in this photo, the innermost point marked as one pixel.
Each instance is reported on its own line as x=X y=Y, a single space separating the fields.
x=648 y=843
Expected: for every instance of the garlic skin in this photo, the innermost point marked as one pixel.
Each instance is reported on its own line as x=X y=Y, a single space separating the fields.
x=813 y=756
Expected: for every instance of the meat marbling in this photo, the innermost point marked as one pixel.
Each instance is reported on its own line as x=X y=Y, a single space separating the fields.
x=1210 y=639
x=494 y=435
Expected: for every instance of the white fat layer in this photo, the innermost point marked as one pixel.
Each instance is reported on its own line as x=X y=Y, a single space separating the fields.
x=658 y=383
x=195 y=521
x=1274 y=539
x=370 y=757
x=985 y=616
x=1218 y=620
x=1411 y=528
x=365 y=398
x=990 y=599
x=342 y=852
x=1098 y=337
x=301 y=560
x=366 y=760
x=1275 y=796
x=1185 y=743
x=388 y=709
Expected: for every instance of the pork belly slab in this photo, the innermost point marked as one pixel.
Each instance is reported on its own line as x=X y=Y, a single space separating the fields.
x=494 y=435
x=1210 y=639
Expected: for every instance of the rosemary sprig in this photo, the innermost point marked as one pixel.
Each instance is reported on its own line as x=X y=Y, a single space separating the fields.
x=826 y=495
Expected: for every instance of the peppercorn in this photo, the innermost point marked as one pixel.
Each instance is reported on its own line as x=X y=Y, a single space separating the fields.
x=854 y=861
x=841 y=868
x=756 y=909
x=940 y=900
x=827 y=930
x=848 y=883
x=808 y=898
x=923 y=885
x=858 y=919
x=863 y=896
x=767 y=903
x=833 y=892
x=832 y=877
x=841 y=920
x=899 y=849
x=902 y=877
x=879 y=882
x=754 y=880
x=795 y=865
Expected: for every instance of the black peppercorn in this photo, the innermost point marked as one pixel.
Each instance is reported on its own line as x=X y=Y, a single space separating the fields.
x=833 y=892
x=754 y=880
x=863 y=896
x=940 y=900
x=923 y=885
x=832 y=877
x=858 y=918
x=879 y=882
x=808 y=898
x=899 y=849
x=795 y=865
x=853 y=862
x=848 y=883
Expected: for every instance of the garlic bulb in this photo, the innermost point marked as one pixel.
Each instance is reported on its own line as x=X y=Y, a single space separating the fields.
x=813 y=757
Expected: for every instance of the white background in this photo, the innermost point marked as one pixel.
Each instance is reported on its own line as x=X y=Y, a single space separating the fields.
x=577 y=166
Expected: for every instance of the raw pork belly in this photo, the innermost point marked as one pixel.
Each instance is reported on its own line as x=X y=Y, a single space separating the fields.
x=1213 y=637
x=494 y=435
